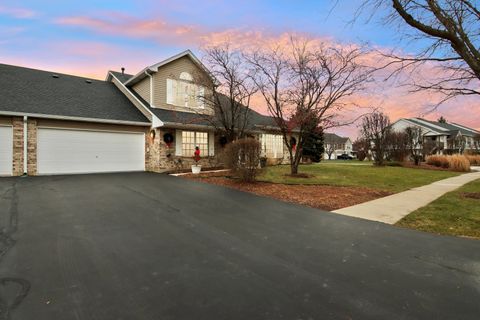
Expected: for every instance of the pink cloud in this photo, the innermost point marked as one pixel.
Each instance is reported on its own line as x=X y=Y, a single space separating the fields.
x=16 y=12
x=119 y=24
x=94 y=59
x=162 y=30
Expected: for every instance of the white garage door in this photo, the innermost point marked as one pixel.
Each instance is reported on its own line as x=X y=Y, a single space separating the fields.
x=6 y=150
x=77 y=151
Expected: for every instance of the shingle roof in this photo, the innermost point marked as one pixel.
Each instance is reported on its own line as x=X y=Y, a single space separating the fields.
x=332 y=137
x=123 y=77
x=446 y=128
x=256 y=120
x=30 y=91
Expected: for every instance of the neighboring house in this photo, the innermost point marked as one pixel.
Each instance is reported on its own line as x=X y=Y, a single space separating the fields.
x=52 y=123
x=335 y=146
x=443 y=137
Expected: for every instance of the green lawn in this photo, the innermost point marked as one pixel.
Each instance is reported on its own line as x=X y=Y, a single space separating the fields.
x=355 y=162
x=393 y=179
x=453 y=214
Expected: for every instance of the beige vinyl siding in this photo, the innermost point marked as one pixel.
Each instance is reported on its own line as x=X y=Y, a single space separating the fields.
x=173 y=70
x=143 y=89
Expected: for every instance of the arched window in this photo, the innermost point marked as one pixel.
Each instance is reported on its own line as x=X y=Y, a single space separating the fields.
x=186 y=76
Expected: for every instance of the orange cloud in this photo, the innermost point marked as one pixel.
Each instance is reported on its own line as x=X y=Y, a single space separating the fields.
x=393 y=99
x=119 y=24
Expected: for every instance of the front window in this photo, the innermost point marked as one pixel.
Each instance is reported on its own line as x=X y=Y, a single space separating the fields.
x=272 y=145
x=192 y=139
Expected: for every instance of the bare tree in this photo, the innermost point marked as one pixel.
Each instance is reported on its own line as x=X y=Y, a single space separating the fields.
x=448 y=30
x=330 y=145
x=456 y=144
x=375 y=129
x=397 y=146
x=230 y=92
x=415 y=141
x=304 y=82
x=361 y=148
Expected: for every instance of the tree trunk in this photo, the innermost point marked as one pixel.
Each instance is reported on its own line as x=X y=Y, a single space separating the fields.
x=417 y=160
x=293 y=168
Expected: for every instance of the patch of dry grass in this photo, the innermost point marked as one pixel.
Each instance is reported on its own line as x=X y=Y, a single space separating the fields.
x=457 y=162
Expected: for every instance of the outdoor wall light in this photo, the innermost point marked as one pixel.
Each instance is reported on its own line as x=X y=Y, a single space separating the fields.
x=152 y=134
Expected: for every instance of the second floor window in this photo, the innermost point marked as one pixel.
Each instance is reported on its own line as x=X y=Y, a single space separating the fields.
x=185 y=93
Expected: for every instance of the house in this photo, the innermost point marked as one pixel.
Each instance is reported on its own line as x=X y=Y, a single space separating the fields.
x=335 y=146
x=52 y=123
x=444 y=137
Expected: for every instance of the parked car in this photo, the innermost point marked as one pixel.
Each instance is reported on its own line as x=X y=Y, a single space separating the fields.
x=344 y=157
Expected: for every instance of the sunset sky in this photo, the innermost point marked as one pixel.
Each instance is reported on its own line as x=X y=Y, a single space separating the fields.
x=88 y=38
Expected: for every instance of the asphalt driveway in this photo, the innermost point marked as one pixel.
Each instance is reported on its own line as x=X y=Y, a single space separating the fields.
x=150 y=246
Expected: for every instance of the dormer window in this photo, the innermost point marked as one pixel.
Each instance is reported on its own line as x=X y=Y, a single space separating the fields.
x=185 y=93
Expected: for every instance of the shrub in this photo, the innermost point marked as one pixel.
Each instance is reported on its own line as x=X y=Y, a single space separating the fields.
x=243 y=158
x=473 y=159
x=458 y=163
x=361 y=155
x=454 y=162
x=438 y=161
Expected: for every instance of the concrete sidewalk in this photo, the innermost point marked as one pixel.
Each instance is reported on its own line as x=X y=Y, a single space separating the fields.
x=393 y=208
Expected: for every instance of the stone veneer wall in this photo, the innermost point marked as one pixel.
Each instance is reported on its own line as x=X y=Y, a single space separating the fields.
x=17 y=123
x=159 y=157
x=32 y=147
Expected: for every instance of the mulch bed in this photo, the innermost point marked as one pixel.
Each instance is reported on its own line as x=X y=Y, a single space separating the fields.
x=471 y=195
x=316 y=196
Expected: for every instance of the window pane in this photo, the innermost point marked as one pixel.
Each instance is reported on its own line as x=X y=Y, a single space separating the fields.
x=201 y=140
x=273 y=145
x=191 y=139
x=188 y=143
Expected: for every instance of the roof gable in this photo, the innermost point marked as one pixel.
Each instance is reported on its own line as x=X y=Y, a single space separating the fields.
x=155 y=67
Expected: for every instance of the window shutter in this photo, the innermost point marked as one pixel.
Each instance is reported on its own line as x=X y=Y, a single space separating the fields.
x=178 y=142
x=170 y=92
x=211 y=144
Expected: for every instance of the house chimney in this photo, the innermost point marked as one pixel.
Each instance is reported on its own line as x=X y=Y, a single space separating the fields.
x=123 y=70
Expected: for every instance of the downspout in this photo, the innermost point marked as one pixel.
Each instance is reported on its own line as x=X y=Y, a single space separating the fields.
x=25 y=141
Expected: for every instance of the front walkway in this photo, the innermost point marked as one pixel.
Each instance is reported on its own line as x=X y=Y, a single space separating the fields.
x=393 y=208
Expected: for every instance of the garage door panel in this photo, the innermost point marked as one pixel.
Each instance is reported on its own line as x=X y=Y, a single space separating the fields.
x=77 y=151
x=6 y=150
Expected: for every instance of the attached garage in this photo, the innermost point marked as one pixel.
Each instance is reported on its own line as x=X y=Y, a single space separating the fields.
x=64 y=151
x=6 y=150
